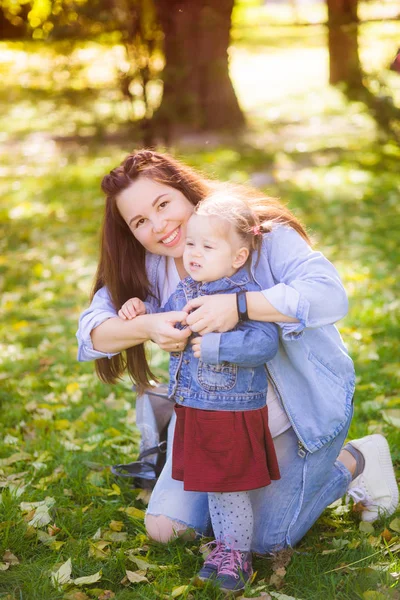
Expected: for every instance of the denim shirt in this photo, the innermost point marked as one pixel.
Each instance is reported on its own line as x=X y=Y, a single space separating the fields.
x=231 y=373
x=312 y=372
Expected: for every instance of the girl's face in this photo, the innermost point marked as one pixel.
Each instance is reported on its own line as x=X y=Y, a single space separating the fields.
x=157 y=215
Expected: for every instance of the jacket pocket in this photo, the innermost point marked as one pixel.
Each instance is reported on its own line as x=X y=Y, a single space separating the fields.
x=215 y=431
x=214 y=378
x=323 y=368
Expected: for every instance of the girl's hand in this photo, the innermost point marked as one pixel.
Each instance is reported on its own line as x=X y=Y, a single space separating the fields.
x=163 y=333
x=214 y=313
x=131 y=309
x=196 y=347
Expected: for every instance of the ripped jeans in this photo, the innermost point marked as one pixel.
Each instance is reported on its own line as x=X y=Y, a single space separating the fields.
x=283 y=511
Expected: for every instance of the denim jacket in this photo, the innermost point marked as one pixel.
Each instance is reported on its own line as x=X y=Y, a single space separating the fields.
x=231 y=373
x=312 y=372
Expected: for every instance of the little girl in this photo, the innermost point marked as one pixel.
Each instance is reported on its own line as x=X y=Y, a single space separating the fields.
x=222 y=444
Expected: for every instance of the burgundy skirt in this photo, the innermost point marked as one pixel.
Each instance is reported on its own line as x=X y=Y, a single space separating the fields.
x=223 y=451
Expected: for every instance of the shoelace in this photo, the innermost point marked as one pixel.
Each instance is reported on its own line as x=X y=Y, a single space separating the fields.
x=215 y=556
x=359 y=495
x=231 y=563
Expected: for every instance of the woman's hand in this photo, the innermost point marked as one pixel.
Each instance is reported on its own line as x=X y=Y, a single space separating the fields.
x=196 y=347
x=213 y=313
x=163 y=333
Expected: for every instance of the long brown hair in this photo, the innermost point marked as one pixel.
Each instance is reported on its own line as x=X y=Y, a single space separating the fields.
x=122 y=258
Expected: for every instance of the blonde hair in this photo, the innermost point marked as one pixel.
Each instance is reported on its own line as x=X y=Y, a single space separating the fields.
x=249 y=213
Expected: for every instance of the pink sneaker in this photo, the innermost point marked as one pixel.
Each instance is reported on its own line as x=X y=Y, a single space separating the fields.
x=212 y=562
x=235 y=571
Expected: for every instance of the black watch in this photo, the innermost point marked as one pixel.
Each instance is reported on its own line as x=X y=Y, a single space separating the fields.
x=241 y=303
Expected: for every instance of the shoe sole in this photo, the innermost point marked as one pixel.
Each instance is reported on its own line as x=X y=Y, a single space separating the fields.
x=385 y=461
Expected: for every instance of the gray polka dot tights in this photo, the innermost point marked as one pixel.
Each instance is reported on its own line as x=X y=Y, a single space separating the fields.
x=232 y=518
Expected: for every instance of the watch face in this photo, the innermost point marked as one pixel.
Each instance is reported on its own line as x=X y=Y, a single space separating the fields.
x=242 y=306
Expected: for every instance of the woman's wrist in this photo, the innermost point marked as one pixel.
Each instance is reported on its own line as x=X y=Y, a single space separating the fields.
x=260 y=309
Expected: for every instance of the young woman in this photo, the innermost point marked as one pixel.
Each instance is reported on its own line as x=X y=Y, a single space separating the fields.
x=150 y=199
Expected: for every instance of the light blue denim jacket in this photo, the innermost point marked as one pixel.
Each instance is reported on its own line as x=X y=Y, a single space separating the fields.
x=312 y=372
x=231 y=373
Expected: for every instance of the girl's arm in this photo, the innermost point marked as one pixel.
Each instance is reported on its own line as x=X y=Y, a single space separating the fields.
x=102 y=333
x=252 y=344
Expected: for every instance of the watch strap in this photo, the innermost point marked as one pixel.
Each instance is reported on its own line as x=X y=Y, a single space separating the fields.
x=241 y=303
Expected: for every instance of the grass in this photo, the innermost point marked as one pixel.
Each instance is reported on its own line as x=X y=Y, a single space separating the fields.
x=62 y=428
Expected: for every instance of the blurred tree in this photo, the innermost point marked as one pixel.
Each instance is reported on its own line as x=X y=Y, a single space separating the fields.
x=197 y=87
x=344 y=61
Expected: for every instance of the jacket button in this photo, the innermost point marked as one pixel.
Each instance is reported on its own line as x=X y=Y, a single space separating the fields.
x=181 y=399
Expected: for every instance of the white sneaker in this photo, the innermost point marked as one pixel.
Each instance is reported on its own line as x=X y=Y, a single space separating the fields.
x=376 y=487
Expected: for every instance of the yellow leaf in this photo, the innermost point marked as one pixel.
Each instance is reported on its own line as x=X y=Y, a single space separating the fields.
x=88 y=579
x=116 y=490
x=136 y=576
x=116 y=525
x=17 y=457
x=56 y=545
x=177 y=591
x=63 y=575
x=99 y=549
x=4 y=566
x=135 y=513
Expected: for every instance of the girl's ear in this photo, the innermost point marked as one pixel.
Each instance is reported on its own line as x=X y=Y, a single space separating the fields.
x=241 y=256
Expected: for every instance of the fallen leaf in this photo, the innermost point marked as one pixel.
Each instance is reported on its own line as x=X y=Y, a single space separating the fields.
x=4 y=566
x=136 y=576
x=10 y=558
x=106 y=595
x=116 y=525
x=135 y=513
x=386 y=535
x=366 y=527
x=88 y=579
x=177 y=591
x=99 y=549
x=141 y=564
x=395 y=525
x=63 y=575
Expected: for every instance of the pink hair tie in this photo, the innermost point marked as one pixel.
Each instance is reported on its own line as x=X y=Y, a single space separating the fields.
x=256 y=230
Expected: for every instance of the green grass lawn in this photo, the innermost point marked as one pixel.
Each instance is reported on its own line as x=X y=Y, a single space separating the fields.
x=61 y=428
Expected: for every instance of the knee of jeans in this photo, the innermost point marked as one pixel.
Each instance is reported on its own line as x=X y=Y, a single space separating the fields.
x=163 y=529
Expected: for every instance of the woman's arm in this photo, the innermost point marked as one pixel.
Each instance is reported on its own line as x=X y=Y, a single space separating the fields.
x=101 y=333
x=308 y=291
x=219 y=312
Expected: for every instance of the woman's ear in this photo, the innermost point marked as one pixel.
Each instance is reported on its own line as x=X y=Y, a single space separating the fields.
x=241 y=256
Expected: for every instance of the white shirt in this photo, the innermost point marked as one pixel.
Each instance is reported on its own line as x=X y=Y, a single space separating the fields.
x=277 y=418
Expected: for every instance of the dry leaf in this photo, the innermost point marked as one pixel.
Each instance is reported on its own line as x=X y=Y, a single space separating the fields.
x=177 y=591
x=116 y=525
x=386 y=535
x=106 y=595
x=99 y=549
x=136 y=576
x=4 y=566
x=88 y=579
x=63 y=575
x=10 y=558
x=135 y=513
x=76 y=595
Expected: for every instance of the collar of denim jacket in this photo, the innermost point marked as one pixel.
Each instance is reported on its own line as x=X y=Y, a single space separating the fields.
x=237 y=280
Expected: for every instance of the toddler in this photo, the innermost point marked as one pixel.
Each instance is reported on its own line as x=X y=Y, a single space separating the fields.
x=222 y=444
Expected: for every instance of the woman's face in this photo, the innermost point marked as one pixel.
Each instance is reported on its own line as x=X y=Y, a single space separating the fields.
x=157 y=215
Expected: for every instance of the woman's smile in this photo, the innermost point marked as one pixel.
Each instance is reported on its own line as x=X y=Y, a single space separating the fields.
x=157 y=215
x=171 y=239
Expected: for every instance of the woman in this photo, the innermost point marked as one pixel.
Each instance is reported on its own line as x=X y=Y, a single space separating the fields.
x=150 y=198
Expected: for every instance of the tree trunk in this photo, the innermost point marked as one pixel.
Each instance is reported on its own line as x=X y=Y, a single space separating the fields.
x=197 y=88
x=344 y=61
